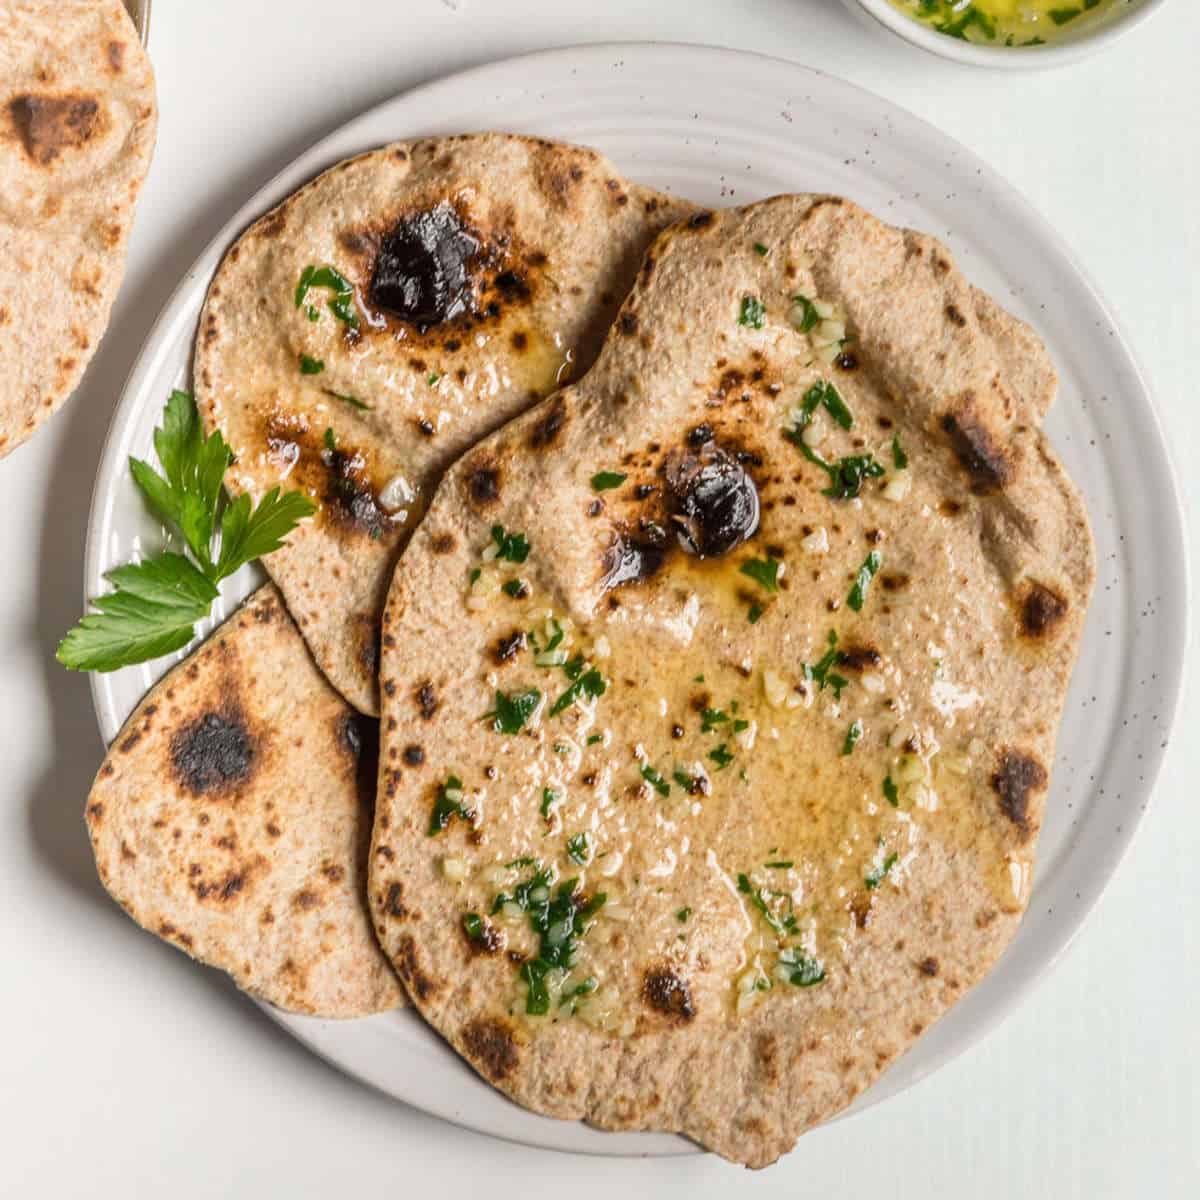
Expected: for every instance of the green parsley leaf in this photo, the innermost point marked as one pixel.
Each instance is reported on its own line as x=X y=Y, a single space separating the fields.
x=682 y=915
x=516 y=588
x=683 y=779
x=877 y=875
x=158 y=601
x=721 y=756
x=822 y=673
x=447 y=806
x=834 y=404
x=753 y=312
x=782 y=865
x=858 y=593
x=353 y=401
x=782 y=925
x=890 y=792
x=764 y=572
x=594 y=738
x=899 y=458
x=433 y=378
x=311 y=366
x=710 y=718
x=578 y=849
x=604 y=481
x=1060 y=16
x=330 y=441
x=853 y=737
x=655 y=780
x=513 y=710
x=473 y=926
x=510 y=547
x=754 y=613
x=550 y=800
x=761 y=250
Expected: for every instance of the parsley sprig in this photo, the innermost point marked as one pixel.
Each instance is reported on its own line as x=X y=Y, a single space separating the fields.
x=157 y=602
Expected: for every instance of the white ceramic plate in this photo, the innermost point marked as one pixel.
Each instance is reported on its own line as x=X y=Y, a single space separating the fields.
x=723 y=128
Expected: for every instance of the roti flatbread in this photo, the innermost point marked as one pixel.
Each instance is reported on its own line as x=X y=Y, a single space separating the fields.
x=77 y=124
x=700 y=822
x=231 y=817
x=470 y=275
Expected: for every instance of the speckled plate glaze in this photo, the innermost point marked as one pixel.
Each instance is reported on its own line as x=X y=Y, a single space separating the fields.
x=724 y=127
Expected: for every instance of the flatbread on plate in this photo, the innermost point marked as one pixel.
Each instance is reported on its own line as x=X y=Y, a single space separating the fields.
x=363 y=334
x=231 y=818
x=715 y=776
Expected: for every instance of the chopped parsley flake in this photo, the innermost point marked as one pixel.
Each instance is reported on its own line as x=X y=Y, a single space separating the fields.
x=682 y=915
x=473 y=926
x=890 y=792
x=781 y=865
x=831 y=398
x=721 y=756
x=761 y=250
x=550 y=799
x=655 y=780
x=510 y=547
x=433 y=378
x=590 y=683
x=899 y=458
x=803 y=969
x=311 y=366
x=604 y=481
x=754 y=613
x=516 y=588
x=447 y=805
x=342 y=303
x=710 y=718
x=559 y=918
x=853 y=737
x=578 y=850
x=809 y=317
x=753 y=312
x=876 y=876
x=783 y=926
x=764 y=572
x=594 y=738
x=330 y=441
x=822 y=673
x=512 y=711
x=858 y=593
x=353 y=401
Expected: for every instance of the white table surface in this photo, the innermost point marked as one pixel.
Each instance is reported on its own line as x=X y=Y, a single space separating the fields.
x=129 y=1071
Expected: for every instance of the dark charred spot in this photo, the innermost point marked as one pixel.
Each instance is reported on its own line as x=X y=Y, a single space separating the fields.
x=547 y=428
x=490 y=1044
x=409 y=969
x=701 y=220
x=950 y=508
x=717 y=502
x=425 y=427
x=349 y=498
x=627 y=323
x=214 y=753
x=595 y=508
x=644 y=490
x=48 y=125
x=884 y=422
x=699 y=436
x=422 y=270
x=1016 y=778
x=928 y=966
x=443 y=543
x=520 y=341
x=507 y=648
x=979 y=451
x=874 y=536
x=666 y=992
x=393 y=904
x=414 y=755
x=847 y=360
x=427 y=701
x=511 y=286
x=116 y=56
x=859 y=658
x=1042 y=609
x=226 y=888
x=306 y=900
x=354 y=242
x=954 y=316
x=677 y=731
x=632 y=557
x=894 y=581
x=730 y=383
x=483 y=483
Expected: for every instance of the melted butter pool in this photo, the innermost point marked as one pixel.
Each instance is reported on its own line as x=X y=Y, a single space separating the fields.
x=1007 y=22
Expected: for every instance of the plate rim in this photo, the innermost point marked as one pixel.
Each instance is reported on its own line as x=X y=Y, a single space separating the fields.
x=315 y=158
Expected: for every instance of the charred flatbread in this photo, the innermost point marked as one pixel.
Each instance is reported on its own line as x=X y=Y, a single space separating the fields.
x=363 y=334
x=736 y=703
x=77 y=124
x=231 y=818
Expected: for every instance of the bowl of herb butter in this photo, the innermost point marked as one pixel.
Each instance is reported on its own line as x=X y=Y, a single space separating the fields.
x=1018 y=34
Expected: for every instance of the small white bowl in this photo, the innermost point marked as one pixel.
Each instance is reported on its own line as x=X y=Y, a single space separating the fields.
x=1091 y=36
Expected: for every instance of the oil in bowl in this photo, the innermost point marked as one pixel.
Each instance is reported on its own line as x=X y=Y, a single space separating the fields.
x=1010 y=22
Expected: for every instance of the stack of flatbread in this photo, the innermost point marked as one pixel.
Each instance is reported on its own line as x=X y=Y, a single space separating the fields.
x=716 y=593
x=77 y=123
